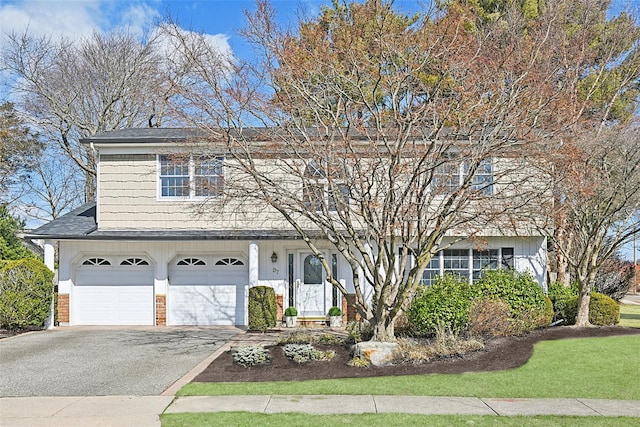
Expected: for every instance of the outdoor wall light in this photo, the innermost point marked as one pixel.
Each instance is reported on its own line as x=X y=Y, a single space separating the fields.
x=274 y=257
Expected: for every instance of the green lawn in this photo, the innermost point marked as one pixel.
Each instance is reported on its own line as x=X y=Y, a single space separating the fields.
x=598 y=368
x=630 y=316
x=401 y=420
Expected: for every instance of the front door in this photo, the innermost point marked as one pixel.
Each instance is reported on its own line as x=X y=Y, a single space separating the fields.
x=311 y=287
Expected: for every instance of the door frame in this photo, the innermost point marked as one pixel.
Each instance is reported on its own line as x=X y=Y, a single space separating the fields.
x=296 y=278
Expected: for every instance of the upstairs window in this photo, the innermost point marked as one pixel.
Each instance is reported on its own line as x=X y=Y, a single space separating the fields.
x=188 y=177
x=319 y=192
x=174 y=176
x=448 y=177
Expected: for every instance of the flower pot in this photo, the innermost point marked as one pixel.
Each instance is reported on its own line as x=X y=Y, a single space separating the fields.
x=335 y=321
x=290 y=321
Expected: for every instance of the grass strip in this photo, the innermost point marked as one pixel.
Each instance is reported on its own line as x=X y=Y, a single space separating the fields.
x=402 y=420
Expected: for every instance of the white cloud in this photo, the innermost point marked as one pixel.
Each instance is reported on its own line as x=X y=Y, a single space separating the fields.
x=72 y=19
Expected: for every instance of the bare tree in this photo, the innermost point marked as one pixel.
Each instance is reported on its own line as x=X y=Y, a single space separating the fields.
x=52 y=186
x=18 y=148
x=75 y=90
x=599 y=180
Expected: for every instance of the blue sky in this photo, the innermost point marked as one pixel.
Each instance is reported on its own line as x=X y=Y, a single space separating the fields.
x=77 y=18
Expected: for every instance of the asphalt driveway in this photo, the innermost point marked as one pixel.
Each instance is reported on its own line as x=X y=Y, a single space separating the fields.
x=103 y=361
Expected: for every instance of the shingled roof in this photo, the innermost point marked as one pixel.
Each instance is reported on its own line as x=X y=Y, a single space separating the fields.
x=79 y=222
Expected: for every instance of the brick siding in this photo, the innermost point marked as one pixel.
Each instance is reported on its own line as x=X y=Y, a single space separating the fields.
x=161 y=310
x=63 y=308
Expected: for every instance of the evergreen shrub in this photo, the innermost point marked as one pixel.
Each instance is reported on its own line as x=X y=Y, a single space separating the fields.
x=26 y=290
x=603 y=310
x=263 y=309
x=446 y=303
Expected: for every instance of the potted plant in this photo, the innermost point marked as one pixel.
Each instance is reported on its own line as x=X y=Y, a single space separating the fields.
x=335 y=317
x=290 y=317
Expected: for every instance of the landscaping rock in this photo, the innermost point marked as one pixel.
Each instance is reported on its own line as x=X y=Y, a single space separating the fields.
x=378 y=353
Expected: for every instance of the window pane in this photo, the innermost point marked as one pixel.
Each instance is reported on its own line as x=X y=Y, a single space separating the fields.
x=507 y=257
x=483 y=260
x=174 y=176
x=343 y=189
x=456 y=261
x=431 y=273
x=313 y=196
x=446 y=178
x=312 y=270
x=483 y=179
x=208 y=176
x=175 y=187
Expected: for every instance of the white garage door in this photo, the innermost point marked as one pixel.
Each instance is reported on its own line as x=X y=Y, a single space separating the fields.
x=206 y=291
x=113 y=295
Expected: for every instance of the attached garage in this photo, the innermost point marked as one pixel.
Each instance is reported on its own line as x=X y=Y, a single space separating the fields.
x=113 y=292
x=207 y=291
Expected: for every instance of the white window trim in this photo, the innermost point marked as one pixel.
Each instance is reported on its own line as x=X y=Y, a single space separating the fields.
x=324 y=184
x=192 y=180
x=462 y=174
x=440 y=254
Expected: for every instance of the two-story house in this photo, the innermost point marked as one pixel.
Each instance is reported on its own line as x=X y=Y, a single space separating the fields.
x=149 y=251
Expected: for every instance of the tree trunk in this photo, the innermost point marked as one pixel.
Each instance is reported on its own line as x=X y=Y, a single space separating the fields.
x=562 y=240
x=582 y=319
x=384 y=330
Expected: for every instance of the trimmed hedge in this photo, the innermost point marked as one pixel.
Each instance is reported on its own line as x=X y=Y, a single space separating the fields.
x=263 y=309
x=26 y=290
x=448 y=303
x=530 y=308
x=603 y=310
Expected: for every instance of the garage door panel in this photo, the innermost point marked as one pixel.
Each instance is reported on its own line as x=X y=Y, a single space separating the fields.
x=105 y=295
x=208 y=277
x=203 y=305
x=114 y=305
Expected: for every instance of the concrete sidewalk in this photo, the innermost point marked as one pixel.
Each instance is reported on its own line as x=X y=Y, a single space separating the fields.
x=144 y=411
x=341 y=404
x=112 y=411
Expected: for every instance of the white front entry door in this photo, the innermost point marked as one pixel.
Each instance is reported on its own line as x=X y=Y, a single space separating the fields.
x=311 y=287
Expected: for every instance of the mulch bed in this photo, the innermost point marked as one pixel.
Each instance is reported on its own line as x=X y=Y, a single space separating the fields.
x=498 y=354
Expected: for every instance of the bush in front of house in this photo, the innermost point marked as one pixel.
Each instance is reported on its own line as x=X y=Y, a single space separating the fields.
x=302 y=353
x=263 y=310
x=446 y=303
x=530 y=308
x=25 y=293
x=452 y=300
x=489 y=317
x=250 y=355
x=603 y=310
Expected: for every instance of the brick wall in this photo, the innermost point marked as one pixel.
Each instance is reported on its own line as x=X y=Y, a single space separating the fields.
x=161 y=310
x=63 y=308
x=279 y=303
x=352 y=314
x=344 y=308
